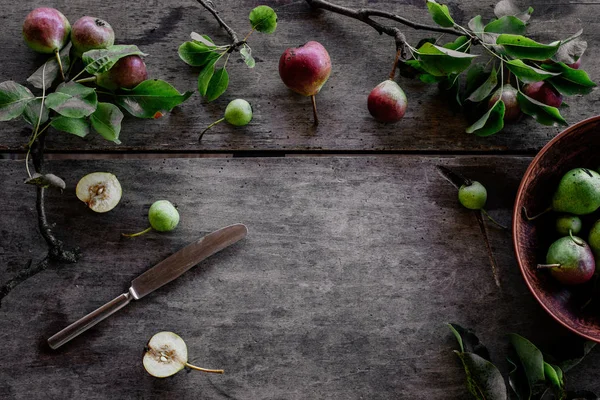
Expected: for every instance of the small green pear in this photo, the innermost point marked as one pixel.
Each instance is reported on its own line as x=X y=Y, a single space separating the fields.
x=570 y=261
x=578 y=192
x=473 y=195
x=568 y=224
x=594 y=238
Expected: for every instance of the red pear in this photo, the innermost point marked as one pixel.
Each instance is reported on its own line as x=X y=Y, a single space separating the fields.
x=544 y=93
x=387 y=102
x=46 y=30
x=89 y=33
x=305 y=70
x=127 y=73
x=512 y=111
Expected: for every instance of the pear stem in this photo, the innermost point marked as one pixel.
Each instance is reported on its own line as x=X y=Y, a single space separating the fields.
x=213 y=371
x=60 y=66
x=86 y=80
x=547 y=266
x=577 y=241
x=547 y=210
x=314 y=105
x=130 y=235
x=393 y=73
x=493 y=220
x=210 y=126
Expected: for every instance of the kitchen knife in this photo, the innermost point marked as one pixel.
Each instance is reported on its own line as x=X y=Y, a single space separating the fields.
x=162 y=273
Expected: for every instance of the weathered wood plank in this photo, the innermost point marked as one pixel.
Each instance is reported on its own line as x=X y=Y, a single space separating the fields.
x=361 y=59
x=341 y=290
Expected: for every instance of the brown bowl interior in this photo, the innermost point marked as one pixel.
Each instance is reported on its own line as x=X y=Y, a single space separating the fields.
x=577 y=146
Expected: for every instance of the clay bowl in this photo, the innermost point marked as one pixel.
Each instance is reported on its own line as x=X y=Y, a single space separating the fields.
x=576 y=146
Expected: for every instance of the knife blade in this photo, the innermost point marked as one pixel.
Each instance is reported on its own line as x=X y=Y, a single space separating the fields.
x=162 y=273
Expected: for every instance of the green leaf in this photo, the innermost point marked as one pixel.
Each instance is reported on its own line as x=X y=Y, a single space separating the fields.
x=77 y=126
x=518 y=381
x=246 y=53
x=263 y=19
x=476 y=75
x=203 y=39
x=527 y=73
x=542 y=113
x=13 y=100
x=491 y=122
x=486 y=88
x=46 y=181
x=484 y=381
x=217 y=85
x=576 y=352
x=460 y=44
x=150 y=99
x=507 y=24
x=571 y=49
x=476 y=25
x=52 y=70
x=439 y=61
x=508 y=8
x=205 y=76
x=196 y=54
x=569 y=81
x=522 y=47
x=31 y=114
x=106 y=120
x=73 y=100
x=101 y=60
x=554 y=375
x=469 y=342
x=440 y=14
x=531 y=359
x=428 y=78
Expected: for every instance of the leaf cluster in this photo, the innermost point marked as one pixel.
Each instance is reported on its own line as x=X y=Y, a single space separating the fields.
x=202 y=52
x=514 y=58
x=75 y=108
x=534 y=375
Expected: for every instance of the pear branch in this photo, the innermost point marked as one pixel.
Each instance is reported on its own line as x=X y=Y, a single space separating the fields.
x=235 y=42
x=365 y=14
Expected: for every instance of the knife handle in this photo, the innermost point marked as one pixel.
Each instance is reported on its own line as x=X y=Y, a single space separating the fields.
x=85 y=323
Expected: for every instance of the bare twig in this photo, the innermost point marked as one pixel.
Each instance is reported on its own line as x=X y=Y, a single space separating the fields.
x=235 y=42
x=488 y=246
x=365 y=14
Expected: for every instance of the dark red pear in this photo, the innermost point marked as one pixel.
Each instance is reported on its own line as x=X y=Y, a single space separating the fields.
x=89 y=33
x=387 y=102
x=305 y=69
x=544 y=93
x=46 y=30
x=570 y=261
x=127 y=73
x=512 y=111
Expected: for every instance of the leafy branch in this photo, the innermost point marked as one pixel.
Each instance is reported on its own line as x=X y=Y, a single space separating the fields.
x=534 y=375
x=543 y=73
x=202 y=52
x=74 y=108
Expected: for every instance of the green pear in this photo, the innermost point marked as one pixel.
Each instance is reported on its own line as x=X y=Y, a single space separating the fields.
x=578 y=192
x=568 y=224
x=570 y=261
x=594 y=238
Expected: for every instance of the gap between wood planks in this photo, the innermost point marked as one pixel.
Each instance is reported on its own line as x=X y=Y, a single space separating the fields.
x=140 y=155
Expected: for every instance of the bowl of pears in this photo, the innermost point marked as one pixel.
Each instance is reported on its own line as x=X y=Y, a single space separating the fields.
x=556 y=228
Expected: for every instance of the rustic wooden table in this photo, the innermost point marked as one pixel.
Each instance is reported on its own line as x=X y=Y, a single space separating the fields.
x=358 y=252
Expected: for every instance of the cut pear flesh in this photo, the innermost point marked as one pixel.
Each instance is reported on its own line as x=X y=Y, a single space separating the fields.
x=101 y=191
x=166 y=354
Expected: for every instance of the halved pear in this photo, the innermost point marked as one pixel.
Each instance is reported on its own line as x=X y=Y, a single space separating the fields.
x=101 y=191
x=166 y=355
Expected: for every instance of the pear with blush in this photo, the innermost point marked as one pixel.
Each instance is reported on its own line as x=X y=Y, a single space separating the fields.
x=387 y=102
x=305 y=69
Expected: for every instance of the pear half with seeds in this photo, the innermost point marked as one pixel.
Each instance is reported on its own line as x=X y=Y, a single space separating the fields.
x=166 y=354
x=101 y=191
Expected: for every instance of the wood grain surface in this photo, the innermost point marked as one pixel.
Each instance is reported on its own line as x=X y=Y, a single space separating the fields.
x=341 y=290
x=282 y=119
